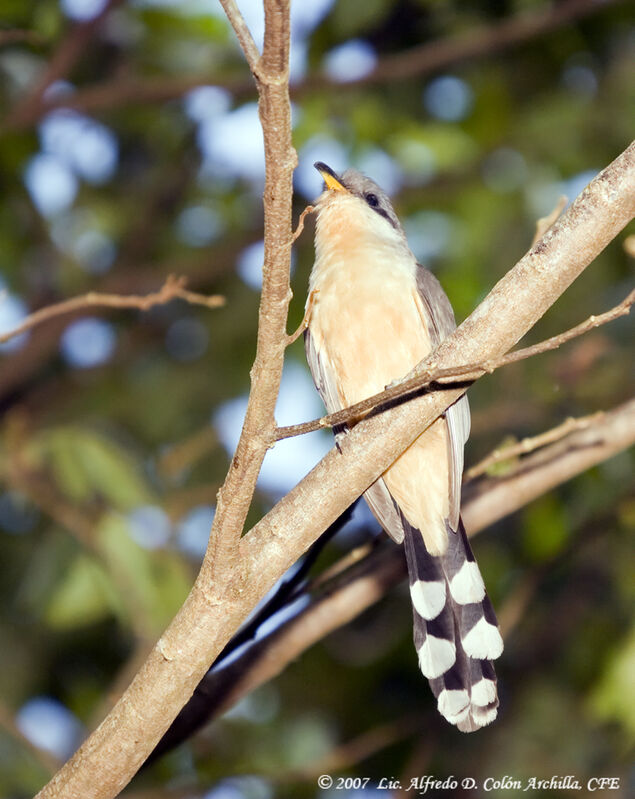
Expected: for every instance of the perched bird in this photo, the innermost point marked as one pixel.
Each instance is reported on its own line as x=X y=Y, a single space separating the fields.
x=373 y=313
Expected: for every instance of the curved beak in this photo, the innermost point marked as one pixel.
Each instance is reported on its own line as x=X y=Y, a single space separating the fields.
x=331 y=180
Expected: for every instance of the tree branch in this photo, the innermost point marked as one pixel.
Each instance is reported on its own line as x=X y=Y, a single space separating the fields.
x=464 y=374
x=528 y=445
x=234 y=498
x=243 y=34
x=108 y=759
x=344 y=756
x=129 y=276
x=172 y=288
x=613 y=432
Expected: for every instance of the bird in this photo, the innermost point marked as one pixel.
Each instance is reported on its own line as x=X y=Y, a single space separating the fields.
x=372 y=314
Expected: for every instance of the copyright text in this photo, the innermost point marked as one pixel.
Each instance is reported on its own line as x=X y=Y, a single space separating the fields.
x=422 y=785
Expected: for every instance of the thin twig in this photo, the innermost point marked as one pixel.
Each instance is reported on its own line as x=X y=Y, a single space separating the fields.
x=298 y=231
x=467 y=373
x=305 y=319
x=530 y=444
x=274 y=109
x=243 y=34
x=194 y=298
x=172 y=288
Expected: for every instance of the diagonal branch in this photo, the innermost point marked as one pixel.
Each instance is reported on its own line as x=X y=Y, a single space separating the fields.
x=486 y=501
x=527 y=445
x=10 y=36
x=495 y=497
x=464 y=374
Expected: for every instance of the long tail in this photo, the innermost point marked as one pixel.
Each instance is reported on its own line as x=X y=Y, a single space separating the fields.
x=456 y=634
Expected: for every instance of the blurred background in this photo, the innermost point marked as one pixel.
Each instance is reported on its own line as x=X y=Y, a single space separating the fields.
x=130 y=149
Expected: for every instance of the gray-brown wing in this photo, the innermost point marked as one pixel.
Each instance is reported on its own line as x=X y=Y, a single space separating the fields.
x=441 y=324
x=383 y=507
x=377 y=496
x=323 y=375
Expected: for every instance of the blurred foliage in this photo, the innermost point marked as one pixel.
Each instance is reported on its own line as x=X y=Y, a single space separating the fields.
x=82 y=448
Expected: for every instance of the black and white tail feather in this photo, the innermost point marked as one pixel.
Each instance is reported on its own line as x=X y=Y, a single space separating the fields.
x=455 y=631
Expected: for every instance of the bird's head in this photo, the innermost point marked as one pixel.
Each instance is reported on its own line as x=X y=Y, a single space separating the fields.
x=359 y=194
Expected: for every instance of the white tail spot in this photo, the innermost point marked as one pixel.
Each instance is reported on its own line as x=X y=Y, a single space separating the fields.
x=436 y=656
x=454 y=705
x=483 y=641
x=483 y=715
x=467 y=585
x=428 y=598
x=484 y=692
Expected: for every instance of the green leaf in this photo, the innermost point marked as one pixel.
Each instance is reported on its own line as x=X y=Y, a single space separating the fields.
x=59 y=451
x=349 y=22
x=86 y=464
x=112 y=472
x=155 y=583
x=613 y=699
x=546 y=530
x=84 y=596
x=503 y=467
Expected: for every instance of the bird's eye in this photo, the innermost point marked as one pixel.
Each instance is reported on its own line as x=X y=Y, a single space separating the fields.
x=372 y=199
